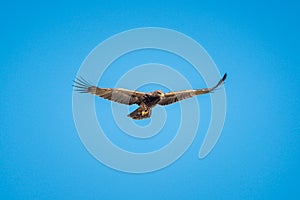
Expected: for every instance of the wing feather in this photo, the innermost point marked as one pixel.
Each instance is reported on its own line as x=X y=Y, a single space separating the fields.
x=119 y=95
x=172 y=97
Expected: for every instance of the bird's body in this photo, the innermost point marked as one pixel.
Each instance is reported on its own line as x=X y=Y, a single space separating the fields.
x=145 y=101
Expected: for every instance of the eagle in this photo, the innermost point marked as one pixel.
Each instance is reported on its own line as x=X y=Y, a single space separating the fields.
x=145 y=101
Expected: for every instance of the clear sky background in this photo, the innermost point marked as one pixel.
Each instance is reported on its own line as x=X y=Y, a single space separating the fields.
x=256 y=43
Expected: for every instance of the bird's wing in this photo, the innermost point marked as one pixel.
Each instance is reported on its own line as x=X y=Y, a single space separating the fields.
x=172 y=97
x=114 y=94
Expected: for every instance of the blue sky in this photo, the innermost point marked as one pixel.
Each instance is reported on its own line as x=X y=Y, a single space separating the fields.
x=256 y=43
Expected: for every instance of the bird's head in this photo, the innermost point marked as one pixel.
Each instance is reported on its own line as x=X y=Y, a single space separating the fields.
x=158 y=93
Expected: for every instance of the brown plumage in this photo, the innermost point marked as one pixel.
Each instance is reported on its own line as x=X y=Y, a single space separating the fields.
x=146 y=101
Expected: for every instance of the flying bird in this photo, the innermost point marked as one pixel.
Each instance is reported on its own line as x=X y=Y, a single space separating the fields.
x=145 y=101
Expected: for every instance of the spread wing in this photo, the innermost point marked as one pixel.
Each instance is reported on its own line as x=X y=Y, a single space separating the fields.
x=172 y=97
x=114 y=94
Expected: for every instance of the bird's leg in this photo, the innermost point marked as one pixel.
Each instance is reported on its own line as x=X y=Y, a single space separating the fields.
x=145 y=112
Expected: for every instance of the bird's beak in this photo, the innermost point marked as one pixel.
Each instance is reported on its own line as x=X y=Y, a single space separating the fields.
x=162 y=95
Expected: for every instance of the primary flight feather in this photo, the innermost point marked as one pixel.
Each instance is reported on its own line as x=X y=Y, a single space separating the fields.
x=146 y=101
